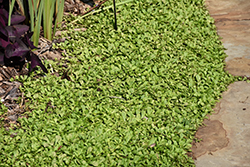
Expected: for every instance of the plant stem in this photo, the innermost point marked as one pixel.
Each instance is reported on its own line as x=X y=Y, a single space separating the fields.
x=10 y=11
x=115 y=15
x=88 y=12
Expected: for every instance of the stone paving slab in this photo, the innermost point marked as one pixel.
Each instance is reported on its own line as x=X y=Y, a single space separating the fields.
x=234 y=115
x=226 y=138
x=232 y=19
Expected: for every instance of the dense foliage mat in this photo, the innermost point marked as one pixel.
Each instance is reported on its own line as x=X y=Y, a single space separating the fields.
x=136 y=96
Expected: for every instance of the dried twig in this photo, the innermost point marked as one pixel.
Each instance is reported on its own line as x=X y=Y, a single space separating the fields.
x=114 y=97
x=96 y=6
x=108 y=7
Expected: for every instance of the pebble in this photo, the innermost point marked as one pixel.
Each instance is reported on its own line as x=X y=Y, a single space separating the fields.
x=12 y=117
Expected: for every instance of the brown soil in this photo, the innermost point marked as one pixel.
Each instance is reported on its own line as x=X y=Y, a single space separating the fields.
x=10 y=94
x=79 y=6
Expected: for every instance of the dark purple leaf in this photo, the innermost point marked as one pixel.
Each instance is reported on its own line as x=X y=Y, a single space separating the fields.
x=15 y=19
x=16 y=31
x=4 y=15
x=2 y=21
x=21 y=29
x=4 y=40
x=15 y=43
x=12 y=34
x=29 y=35
x=9 y=50
x=1 y=58
x=35 y=61
x=18 y=49
x=27 y=41
x=3 y=43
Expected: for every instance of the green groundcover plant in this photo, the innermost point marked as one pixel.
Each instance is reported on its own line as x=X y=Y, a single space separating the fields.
x=136 y=95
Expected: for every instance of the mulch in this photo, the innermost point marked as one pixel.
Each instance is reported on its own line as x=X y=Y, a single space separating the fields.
x=79 y=7
x=10 y=94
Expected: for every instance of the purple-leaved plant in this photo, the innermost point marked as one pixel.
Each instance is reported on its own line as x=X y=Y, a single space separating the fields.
x=15 y=44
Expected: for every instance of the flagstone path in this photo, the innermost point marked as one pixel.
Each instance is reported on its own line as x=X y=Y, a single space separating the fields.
x=226 y=138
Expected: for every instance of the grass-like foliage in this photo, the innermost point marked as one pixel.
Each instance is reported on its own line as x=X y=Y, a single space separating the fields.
x=137 y=94
x=45 y=13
